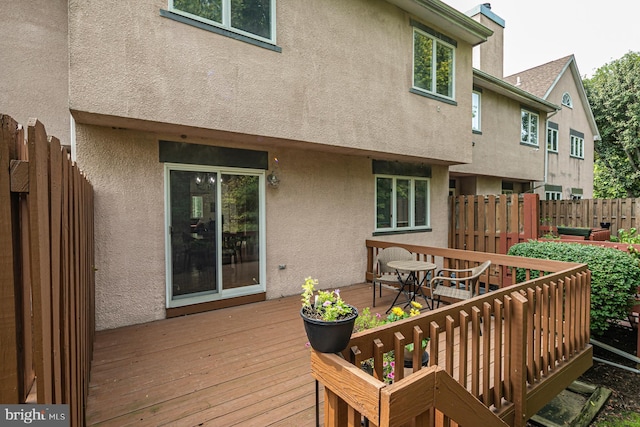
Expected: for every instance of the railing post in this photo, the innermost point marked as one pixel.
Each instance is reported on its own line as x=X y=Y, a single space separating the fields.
x=517 y=357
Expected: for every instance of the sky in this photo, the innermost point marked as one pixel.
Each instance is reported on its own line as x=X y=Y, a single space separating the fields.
x=540 y=31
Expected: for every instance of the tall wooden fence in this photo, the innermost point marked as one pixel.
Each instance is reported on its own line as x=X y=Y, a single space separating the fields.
x=46 y=271
x=620 y=213
x=492 y=223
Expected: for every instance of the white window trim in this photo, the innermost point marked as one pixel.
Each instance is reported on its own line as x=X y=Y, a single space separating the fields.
x=531 y=113
x=412 y=198
x=551 y=149
x=479 y=127
x=568 y=103
x=434 y=67
x=553 y=195
x=577 y=147
x=226 y=20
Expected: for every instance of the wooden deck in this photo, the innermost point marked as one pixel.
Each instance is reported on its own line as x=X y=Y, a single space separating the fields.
x=245 y=365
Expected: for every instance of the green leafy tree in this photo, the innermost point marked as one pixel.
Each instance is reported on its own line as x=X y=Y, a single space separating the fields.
x=614 y=96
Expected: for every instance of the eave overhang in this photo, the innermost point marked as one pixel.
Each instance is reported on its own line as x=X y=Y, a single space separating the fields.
x=450 y=20
x=494 y=84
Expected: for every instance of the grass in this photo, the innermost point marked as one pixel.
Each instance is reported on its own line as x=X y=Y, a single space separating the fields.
x=626 y=419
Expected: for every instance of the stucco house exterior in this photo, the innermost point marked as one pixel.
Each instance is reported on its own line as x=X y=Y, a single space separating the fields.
x=532 y=132
x=235 y=152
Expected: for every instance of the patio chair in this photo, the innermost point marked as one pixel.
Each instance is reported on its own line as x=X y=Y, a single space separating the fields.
x=459 y=284
x=386 y=276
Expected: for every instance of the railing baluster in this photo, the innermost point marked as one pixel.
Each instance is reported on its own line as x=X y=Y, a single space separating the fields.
x=475 y=351
x=545 y=329
x=531 y=336
x=486 y=354
x=498 y=353
x=462 y=350
x=398 y=356
x=449 y=330
x=537 y=325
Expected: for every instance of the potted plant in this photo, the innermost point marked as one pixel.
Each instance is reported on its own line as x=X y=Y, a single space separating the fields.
x=328 y=320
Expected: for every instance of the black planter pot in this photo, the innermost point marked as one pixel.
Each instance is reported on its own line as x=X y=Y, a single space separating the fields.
x=329 y=337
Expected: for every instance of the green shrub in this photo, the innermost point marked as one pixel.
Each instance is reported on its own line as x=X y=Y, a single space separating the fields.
x=614 y=276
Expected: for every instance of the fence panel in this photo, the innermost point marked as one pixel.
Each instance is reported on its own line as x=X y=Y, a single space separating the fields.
x=46 y=271
x=492 y=223
x=619 y=213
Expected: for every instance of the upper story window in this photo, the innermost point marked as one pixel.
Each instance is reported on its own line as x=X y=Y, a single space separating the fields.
x=577 y=144
x=402 y=203
x=253 y=18
x=566 y=100
x=529 y=127
x=553 y=195
x=552 y=137
x=476 y=103
x=433 y=62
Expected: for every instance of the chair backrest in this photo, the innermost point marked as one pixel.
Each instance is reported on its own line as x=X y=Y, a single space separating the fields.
x=477 y=271
x=392 y=253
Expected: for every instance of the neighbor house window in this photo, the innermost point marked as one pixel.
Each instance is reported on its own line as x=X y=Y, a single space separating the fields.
x=476 y=99
x=433 y=62
x=254 y=18
x=401 y=203
x=566 y=100
x=577 y=144
x=553 y=195
x=529 y=128
x=552 y=137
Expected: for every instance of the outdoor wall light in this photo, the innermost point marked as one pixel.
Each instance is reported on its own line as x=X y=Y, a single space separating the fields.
x=272 y=178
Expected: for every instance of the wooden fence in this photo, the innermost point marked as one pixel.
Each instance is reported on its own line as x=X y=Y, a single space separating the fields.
x=495 y=223
x=492 y=223
x=620 y=213
x=46 y=271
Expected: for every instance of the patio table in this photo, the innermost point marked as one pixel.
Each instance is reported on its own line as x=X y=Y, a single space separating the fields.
x=411 y=286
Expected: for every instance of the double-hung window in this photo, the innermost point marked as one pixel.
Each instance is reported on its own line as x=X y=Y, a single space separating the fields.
x=433 y=62
x=529 y=128
x=253 y=18
x=552 y=137
x=476 y=103
x=402 y=203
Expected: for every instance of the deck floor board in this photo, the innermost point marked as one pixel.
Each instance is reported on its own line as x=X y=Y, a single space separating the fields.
x=245 y=365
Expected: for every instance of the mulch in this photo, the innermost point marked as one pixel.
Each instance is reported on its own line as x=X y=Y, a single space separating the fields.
x=624 y=385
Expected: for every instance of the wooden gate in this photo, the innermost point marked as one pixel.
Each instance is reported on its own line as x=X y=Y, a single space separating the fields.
x=46 y=271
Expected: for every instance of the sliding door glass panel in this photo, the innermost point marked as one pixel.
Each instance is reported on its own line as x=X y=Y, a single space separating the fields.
x=193 y=199
x=240 y=216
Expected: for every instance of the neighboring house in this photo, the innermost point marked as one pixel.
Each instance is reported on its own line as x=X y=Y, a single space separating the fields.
x=533 y=131
x=570 y=133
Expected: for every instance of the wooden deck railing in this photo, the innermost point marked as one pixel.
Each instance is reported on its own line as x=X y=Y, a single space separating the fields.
x=495 y=360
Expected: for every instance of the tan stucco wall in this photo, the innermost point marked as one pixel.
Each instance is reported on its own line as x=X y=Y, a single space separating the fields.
x=34 y=64
x=497 y=151
x=489 y=56
x=342 y=79
x=317 y=221
x=563 y=169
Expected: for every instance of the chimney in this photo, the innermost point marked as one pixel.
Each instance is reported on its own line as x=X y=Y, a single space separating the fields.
x=489 y=56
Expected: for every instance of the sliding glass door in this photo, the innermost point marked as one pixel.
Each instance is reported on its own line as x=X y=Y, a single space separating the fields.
x=215 y=233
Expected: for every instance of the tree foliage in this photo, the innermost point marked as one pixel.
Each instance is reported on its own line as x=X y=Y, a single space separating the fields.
x=614 y=96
